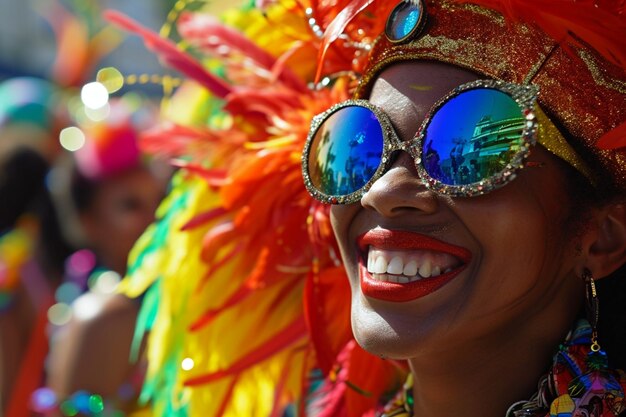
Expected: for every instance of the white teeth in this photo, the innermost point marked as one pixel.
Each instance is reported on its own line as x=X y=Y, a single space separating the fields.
x=426 y=269
x=404 y=267
x=380 y=267
x=395 y=266
x=410 y=269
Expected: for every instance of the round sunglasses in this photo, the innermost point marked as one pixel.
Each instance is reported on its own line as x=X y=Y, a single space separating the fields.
x=472 y=141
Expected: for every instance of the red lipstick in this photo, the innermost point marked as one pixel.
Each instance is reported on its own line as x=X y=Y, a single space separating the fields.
x=403 y=240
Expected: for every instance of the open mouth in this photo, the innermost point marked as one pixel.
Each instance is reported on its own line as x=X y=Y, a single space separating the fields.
x=402 y=266
x=408 y=266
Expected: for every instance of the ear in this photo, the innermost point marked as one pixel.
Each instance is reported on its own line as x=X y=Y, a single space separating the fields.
x=604 y=245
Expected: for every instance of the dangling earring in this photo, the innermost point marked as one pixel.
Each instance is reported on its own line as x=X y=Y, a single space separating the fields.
x=593 y=308
x=583 y=382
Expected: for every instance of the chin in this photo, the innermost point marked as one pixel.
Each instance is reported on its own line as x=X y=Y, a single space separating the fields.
x=383 y=337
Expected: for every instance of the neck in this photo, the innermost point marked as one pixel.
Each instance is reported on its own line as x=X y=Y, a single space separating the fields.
x=486 y=376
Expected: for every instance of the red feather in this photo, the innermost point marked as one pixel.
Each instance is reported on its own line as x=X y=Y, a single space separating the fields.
x=203 y=218
x=264 y=102
x=226 y=399
x=287 y=336
x=175 y=140
x=205 y=31
x=336 y=28
x=216 y=266
x=369 y=378
x=214 y=177
x=208 y=316
x=170 y=54
x=328 y=314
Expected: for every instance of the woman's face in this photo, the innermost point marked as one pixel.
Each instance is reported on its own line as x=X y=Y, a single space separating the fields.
x=506 y=257
x=123 y=207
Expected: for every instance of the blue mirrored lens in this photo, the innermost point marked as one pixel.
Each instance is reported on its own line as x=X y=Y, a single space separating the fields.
x=346 y=151
x=472 y=137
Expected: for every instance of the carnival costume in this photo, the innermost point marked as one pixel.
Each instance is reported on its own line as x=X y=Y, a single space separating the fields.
x=248 y=312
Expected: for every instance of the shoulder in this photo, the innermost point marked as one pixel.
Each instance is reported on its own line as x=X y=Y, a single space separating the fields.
x=92 y=351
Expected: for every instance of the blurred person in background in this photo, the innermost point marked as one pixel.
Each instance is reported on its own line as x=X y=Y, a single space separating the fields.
x=113 y=194
x=68 y=229
x=32 y=249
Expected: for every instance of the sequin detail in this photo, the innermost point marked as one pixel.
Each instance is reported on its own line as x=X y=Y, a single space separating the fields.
x=405 y=21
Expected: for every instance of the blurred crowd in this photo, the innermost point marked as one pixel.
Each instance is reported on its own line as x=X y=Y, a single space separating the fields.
x=75 y=194
x=73 y=201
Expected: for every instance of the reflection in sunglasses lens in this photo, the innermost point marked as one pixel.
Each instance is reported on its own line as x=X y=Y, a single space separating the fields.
x=472 y=137
x=346 y=151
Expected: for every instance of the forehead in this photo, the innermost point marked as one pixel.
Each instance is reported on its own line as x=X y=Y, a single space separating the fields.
x=407 y=90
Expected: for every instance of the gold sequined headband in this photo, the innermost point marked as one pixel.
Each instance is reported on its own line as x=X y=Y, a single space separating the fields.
x=581 y=90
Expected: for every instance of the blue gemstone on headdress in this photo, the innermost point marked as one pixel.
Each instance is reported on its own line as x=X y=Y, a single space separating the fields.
x=405 y=21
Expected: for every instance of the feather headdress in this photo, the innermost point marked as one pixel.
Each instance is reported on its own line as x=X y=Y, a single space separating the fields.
x=245 y=295
x=242 y=268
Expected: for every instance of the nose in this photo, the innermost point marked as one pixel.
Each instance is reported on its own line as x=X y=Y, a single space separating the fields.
x=400 y=190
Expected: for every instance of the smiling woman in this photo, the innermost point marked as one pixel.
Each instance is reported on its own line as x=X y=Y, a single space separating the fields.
x=484 y=284
x=466 y=248
x=468 y=176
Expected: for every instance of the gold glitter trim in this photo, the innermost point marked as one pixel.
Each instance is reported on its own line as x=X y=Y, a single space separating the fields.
x=534 y=71
x=598 y=76
x=492 y=14
x=552 y=139
x=474 y=8
x=435 y=45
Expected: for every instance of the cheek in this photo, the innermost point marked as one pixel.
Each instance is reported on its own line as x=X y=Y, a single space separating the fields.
x=523 y=248
x=340 y=218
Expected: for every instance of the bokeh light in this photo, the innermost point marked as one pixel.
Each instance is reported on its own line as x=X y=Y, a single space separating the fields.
x=43 y=400
x=86 y=308
x=187 y=364
x=98 y=115
x=104 y=282
x=81 y=401
x=60 y=314
x=81 y=262
x=111 y=79
x=72 y=138
x=96 y=404
x=67 y=292
x=94 y=95
x=68 y=409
